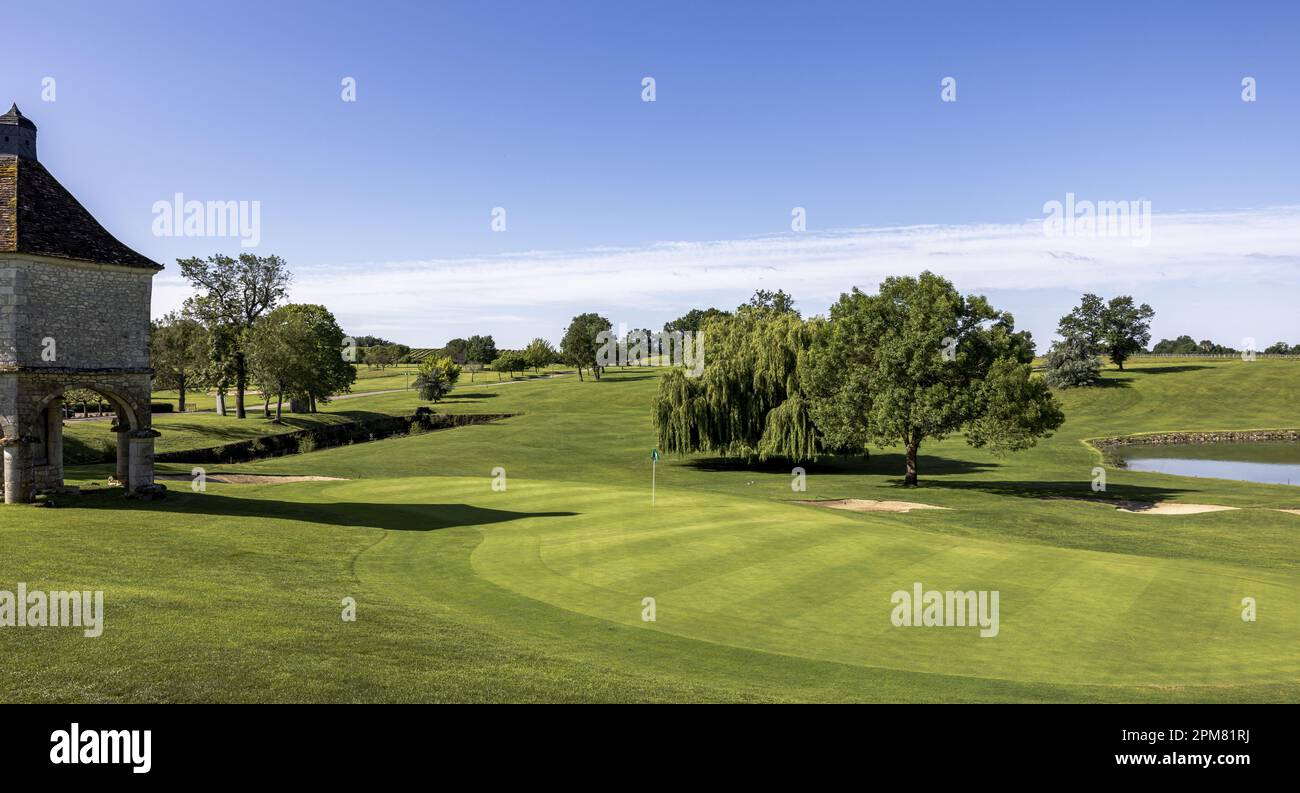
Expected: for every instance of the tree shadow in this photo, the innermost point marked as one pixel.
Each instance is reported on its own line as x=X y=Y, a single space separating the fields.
x=393 y=517
x=878 y=463
x=1075 y=489
x=1113 y=382
x=1166 y=369
x=458 y=397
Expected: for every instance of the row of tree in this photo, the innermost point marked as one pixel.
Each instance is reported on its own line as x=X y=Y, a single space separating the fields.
x=1186 y=345
x=236 y=330
x=379 y=356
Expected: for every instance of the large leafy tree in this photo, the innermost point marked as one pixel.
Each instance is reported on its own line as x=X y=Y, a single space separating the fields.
x=232 y=295
x=1126 y=328
x=178 y=353
x=274 y=347
x=479 y=350
x=580 y=345
x=918 y=361
x=1117 y=328
x=457 y=350
x=325 y=371
x=747 y=403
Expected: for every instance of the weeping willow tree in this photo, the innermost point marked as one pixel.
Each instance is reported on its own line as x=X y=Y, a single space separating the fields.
x=747 y=403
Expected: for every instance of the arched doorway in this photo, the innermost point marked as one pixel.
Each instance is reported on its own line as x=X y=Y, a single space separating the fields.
x=33 y=455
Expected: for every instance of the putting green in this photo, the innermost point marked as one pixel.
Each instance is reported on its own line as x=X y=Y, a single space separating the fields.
x=785 y=579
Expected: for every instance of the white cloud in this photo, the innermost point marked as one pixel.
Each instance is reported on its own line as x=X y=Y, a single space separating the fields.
x=524 y=294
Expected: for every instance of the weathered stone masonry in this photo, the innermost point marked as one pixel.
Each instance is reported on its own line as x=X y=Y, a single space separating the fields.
x=74 y=313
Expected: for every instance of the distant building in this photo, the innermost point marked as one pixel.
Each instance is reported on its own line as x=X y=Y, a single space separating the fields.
x=74 y=313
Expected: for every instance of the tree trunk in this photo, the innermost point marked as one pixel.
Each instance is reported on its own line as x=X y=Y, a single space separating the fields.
x=910 y=479
x=596 y=369
x=1120 y=363
x=241 y=382
x=181 y=401
x=313 y=403
x=579 y=374
x=279 y=403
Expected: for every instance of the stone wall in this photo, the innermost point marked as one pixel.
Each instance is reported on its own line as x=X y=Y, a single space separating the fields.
x=96 y=315
x=1107 y=446
x=64 y=325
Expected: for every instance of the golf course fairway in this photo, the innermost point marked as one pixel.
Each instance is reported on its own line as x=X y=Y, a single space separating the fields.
x=538 y=588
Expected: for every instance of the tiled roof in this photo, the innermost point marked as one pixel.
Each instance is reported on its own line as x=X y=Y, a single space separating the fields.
x=38 y=216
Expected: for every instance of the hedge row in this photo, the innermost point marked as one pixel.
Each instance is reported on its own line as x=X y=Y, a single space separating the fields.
x=298 y=441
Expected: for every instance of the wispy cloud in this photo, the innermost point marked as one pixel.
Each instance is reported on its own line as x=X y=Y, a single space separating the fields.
x=429 y=300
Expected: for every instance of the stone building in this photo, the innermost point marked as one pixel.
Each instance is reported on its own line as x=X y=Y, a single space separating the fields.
x=74 y=313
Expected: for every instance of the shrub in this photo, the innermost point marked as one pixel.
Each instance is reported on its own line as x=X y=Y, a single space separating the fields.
x=1070 y=364
x=436 y=377
x=161 y=407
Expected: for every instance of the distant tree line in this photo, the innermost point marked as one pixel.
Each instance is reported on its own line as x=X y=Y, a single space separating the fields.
x=1186 y=345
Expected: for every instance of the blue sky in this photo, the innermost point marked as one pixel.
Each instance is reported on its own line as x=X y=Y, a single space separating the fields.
x=760 y=107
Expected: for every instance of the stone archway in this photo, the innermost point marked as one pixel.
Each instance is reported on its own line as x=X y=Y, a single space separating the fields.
x=33 y=449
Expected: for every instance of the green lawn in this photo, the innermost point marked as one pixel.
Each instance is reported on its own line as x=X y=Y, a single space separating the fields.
x=87 y=440
x=536 y=593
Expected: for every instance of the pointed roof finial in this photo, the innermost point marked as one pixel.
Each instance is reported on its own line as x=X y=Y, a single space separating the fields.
x=16 y=117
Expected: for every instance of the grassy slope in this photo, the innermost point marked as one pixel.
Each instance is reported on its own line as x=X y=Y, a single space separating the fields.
x=88 y=440
x=536 y=593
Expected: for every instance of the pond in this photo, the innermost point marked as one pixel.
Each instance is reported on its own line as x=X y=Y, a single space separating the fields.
x=1269 y=462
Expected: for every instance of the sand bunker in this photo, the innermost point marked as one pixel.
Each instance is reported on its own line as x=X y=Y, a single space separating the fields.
x=252 y=479
x=1155 y=507
x=1170 y=508
x=1292 y=511
x=867 y=505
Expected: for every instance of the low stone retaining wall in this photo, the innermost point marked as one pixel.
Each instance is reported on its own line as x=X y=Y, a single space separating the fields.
x=326 y=437
x=1107 y=446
